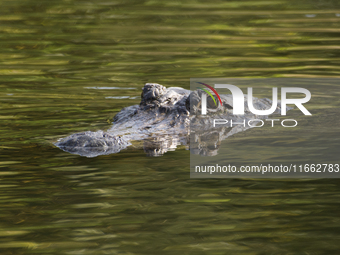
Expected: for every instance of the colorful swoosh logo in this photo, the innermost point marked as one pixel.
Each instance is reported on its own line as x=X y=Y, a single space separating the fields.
x=208 y=92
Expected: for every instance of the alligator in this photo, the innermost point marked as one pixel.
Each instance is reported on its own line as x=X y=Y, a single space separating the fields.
x=164 y=119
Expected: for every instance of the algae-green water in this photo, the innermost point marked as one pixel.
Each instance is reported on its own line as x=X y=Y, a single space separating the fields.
x=69 y=66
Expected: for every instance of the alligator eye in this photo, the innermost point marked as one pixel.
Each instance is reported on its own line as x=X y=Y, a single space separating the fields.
x=211 y=104
x=228 y=106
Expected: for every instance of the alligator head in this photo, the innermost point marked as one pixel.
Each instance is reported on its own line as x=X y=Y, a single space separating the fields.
x=164 y=119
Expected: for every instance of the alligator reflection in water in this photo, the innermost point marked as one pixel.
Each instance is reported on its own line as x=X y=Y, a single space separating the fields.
x=164 y=119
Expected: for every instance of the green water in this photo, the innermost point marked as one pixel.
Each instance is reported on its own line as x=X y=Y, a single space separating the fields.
x=53 y=53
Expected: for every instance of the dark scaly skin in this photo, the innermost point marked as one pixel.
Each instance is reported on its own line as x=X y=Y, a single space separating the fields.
x=163 y=120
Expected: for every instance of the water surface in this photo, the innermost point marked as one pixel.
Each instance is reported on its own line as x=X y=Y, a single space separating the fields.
x=70 y=66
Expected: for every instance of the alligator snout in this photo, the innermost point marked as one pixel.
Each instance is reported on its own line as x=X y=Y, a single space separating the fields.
x=92 y=144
